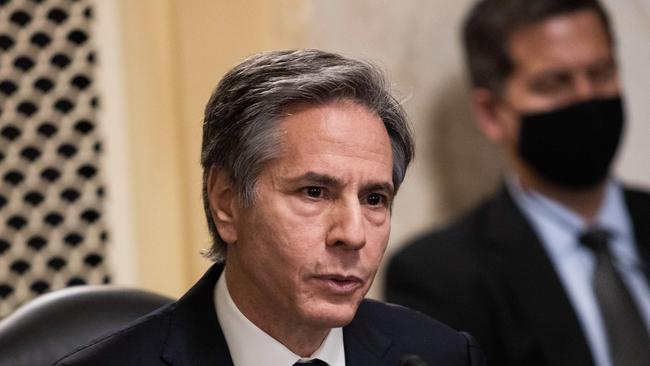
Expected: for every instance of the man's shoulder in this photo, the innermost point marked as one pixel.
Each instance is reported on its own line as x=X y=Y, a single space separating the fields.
x=138 y=342
x=635 y=195
x=459 y=237
x=398 y=320
x=415 y=333
x=452 y=266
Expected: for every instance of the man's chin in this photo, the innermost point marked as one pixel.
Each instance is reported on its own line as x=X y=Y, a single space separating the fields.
x=330 y=315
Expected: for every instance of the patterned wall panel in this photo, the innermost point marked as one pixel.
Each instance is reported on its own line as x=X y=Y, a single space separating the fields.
x=52 y=228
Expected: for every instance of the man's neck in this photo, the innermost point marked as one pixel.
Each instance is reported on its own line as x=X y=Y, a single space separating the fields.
x=584 y=202
x=275 y=321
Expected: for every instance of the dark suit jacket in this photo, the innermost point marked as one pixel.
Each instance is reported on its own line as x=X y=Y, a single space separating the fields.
x=488 y=274
x=188 y=333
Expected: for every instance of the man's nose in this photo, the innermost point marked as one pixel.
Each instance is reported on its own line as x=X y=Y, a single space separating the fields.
x=347 y=225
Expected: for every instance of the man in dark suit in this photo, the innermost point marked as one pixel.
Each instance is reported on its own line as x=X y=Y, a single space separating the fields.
x=303 y=152
x=552 y=269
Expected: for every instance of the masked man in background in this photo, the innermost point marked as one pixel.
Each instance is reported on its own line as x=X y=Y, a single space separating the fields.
x=554 y=268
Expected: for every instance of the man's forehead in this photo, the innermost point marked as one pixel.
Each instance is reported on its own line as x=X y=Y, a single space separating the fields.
x=577 y=39
x=341 y=134
x=337 y=121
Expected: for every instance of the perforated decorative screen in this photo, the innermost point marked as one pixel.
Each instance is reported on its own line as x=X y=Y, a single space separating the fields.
x=52 y=228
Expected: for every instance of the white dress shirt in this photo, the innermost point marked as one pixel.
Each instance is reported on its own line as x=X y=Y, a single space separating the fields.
x=251 y=346
x=558 y=229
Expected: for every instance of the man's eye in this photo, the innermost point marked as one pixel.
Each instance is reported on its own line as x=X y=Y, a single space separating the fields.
x=551 y=85
x=376 y=199
x=315 y=192
x=602 y=74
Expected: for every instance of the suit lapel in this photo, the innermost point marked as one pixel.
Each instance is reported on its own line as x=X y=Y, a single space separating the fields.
x=364 y=344
x=535 y=298
x=195 y=336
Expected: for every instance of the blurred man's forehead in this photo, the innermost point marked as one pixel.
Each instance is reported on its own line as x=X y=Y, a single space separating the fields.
x=576 y=38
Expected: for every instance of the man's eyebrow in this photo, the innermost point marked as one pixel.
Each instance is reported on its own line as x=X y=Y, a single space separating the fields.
x=318 y=179
x=560 y=70
x=379 y=186
x=327 y=180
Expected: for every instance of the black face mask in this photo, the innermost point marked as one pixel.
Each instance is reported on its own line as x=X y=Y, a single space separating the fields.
x=573 y=146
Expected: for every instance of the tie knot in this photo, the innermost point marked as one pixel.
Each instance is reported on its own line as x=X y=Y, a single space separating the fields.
x=314 y=362
x=595 y=239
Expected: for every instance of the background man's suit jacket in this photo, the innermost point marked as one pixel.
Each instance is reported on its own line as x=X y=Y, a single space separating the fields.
x=187 y=333
x=489 y=275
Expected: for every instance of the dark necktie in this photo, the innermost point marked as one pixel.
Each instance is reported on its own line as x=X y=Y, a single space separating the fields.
x=314 y=362
x=629 y=342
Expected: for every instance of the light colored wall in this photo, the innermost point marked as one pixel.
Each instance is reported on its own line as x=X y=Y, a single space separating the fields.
x=632 y=21
x=146 y=75
x=113 y=125
x=174 y=51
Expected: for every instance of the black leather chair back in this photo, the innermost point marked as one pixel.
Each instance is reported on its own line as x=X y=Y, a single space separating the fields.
x=49 y=327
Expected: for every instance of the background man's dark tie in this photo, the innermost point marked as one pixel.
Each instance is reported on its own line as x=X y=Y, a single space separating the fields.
x=629 y=342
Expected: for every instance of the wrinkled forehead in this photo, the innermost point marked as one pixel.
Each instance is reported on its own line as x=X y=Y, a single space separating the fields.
x=344 y=122
x=340 y=132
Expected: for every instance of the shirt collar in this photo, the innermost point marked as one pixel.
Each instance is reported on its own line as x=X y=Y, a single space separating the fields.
x=611 y=216
x=242 y=336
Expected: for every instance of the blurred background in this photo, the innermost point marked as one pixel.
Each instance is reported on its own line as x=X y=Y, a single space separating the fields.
x=100 y=124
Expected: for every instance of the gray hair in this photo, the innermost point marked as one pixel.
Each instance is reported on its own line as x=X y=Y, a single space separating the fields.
x=240 y=131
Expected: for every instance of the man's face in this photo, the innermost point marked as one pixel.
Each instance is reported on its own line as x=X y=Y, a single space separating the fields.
x=311 y=244
x=557 y=62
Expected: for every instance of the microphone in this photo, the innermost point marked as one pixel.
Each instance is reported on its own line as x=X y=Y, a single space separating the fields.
x=412 y=360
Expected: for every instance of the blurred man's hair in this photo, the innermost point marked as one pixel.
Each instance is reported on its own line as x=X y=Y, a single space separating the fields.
x=490 y=24
x=240 y=127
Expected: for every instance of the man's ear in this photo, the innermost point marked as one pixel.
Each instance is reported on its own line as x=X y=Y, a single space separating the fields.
x=223 y=203
x=486 y=109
